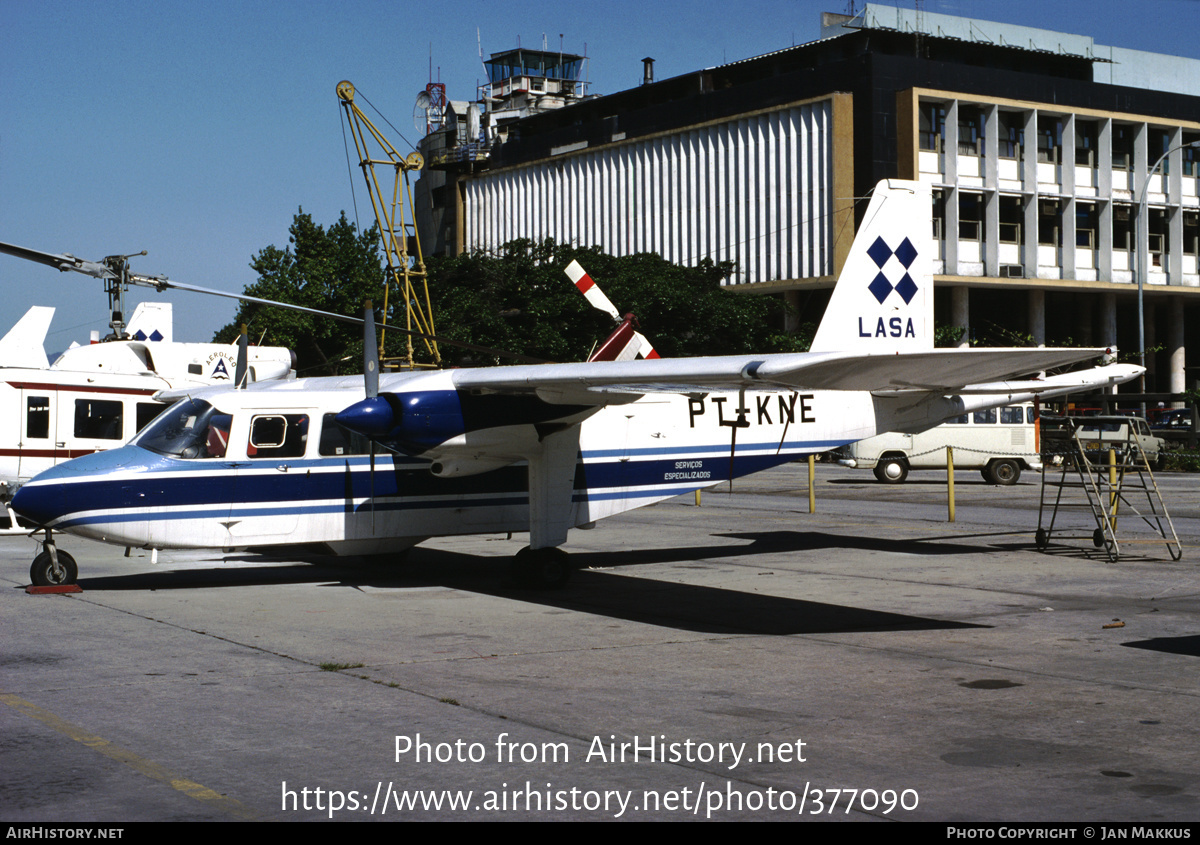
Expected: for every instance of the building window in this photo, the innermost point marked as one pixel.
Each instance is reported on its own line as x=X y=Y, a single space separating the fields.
x=932 y=129
x=1011 y=219
x=1190 y=154
x=1050 y=140
x=970 y=130
x=1049 y=223
x=1122 y=226
x=1086 y=220
x=1160 y=240
x=1012 y=134
x=1122 y=146
x=1086 y=138
x=1160 y=142
x=939 y=214
x=1191 y=233
x=970 y=213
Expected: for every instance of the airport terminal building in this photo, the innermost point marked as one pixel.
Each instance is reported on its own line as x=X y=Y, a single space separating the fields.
x=1040 y=147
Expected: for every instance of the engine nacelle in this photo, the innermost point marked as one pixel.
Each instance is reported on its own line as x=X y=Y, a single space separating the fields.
x=412 y=423
x=416 y=422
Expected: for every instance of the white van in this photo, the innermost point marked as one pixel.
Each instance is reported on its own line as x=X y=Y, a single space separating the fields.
x=999 y=442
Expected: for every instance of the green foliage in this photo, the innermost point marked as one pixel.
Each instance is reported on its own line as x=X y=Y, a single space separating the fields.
x=521 y=301
x=334 y=269
x=518 y=300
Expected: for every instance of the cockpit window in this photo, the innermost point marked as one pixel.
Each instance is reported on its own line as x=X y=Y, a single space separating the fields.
x=191 y=428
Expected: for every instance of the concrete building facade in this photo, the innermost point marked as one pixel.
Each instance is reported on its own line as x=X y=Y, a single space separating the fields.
x=1039 y=147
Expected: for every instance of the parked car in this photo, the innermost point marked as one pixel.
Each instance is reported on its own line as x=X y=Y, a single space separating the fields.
x=1177 y=419
x=999 y=442
x=1100 y=434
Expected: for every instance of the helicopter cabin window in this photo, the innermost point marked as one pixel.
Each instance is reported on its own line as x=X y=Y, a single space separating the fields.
x=98 y=419
x=278 y=436
x=147 y=412
x=37 y=417
x=336 y=441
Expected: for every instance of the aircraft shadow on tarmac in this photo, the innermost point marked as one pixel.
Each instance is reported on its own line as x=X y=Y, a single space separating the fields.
x=1189 y=645
x=594 y=589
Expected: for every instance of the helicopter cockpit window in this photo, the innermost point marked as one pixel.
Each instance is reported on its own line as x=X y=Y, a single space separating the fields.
x=191 y=428
x=278 y=436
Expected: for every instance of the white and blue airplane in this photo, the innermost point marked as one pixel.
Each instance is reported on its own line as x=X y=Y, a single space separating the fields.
x=540 y=448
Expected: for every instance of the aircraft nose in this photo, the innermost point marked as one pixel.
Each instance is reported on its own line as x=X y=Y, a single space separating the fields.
x=40 y=505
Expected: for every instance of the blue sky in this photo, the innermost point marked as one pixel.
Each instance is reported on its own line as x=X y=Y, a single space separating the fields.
x=197 y=130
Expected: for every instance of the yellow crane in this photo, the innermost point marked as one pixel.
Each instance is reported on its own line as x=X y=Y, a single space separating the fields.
x=397 y=228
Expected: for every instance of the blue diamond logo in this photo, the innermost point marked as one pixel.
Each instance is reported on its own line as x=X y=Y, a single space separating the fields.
x=880 y=252
x=907 y=288
x=907 y=253
x=880 y=288
x=157 y=335
x=139 y=335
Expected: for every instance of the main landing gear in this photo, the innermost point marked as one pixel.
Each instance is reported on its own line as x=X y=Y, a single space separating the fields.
x=546 y=569
x=52 y=568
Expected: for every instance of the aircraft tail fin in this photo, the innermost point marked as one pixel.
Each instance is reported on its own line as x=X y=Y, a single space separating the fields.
x=24 y=345
x=883 y=300
x=151 y=321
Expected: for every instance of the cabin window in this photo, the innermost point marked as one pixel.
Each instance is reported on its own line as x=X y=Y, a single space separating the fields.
x=147 y=412
x=191 y=428
x=987 y=417
x=98 y=419
x=37 y=417
x=336 y=441
x=278 y=436
x=1012 y=416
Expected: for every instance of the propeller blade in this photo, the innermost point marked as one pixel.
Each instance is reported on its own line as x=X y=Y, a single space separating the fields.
x=370 y=351
x=243 y=360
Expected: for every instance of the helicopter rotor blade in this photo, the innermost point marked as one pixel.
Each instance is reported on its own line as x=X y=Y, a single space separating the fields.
x=100 y=270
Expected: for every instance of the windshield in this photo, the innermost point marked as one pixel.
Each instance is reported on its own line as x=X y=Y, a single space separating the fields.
x=191 y=428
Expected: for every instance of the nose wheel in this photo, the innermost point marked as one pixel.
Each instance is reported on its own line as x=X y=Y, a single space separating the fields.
x=52 y=568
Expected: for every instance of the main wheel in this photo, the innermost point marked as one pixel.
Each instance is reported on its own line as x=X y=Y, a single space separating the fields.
x=891 y=470
x=43 y=574
x=542 y=568
x=1004 y=472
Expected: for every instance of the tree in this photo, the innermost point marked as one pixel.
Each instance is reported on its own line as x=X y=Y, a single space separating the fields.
x=517 y=300
x=332 y=269
x=520 y=300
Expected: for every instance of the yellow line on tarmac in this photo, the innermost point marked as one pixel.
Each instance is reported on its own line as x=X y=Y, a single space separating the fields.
x=139 y=764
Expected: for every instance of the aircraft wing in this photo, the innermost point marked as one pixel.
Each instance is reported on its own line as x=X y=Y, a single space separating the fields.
x=942 y=370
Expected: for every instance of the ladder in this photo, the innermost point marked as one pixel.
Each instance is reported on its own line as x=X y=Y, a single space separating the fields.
x=1116 y=481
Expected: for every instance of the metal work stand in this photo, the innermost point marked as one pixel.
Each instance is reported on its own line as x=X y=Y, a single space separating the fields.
x=1117 y=484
